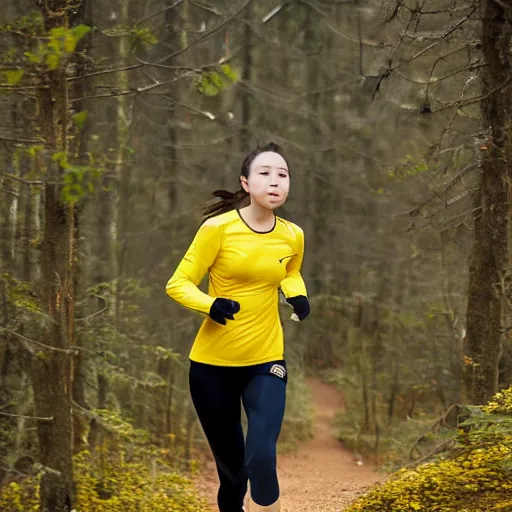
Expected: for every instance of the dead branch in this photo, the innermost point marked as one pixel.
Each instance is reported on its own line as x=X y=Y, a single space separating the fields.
x=443 y=36
x=11 y=192
x=439 y=448
x=22 y=87
x=475 y=99
x=440 y=59
x=417 y=210
x=503 y=5
x=451 y=202
x=19 y=141
x=20 y=180
x=73 y=351
x=208 y=8
x=157 y=13
x=105 y=72
x=439 y=422
x=207 y=34
x=39 y=418
x=129 y=92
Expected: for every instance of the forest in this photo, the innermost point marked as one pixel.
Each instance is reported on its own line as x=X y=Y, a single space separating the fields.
x=117 y=122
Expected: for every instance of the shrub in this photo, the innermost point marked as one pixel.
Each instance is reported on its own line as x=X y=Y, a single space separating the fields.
x=475 y=475
x=111 y=483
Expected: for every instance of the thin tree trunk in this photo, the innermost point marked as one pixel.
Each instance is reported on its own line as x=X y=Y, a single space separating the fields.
x=81 y=89
x=245 y=95
x=314 y=192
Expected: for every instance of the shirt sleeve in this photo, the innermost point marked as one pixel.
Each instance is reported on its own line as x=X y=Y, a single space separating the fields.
x=293 y=284
x=183 y=285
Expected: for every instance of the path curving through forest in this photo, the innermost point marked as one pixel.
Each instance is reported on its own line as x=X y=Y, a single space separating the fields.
x=321 y=476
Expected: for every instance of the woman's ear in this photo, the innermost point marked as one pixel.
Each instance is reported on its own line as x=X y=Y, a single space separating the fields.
x=243 y=182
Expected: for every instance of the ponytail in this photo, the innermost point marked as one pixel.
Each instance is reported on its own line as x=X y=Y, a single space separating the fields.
x=222 y=202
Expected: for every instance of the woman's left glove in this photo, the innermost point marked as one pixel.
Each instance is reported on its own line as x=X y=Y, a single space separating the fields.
x=300 y=306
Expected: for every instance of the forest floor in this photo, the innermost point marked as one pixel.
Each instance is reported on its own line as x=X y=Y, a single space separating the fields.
x=322 y=476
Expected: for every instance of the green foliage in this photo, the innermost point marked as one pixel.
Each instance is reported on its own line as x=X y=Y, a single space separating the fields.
x=13 y=77
x=78 y=180
x=475 y=475
x=20 y=295
x=31 y=24
x=80 y=118
x=213 y=83
x=407 y=169
x=137 y=35
x=115 y=481
x=61 y=42
x=114 y=423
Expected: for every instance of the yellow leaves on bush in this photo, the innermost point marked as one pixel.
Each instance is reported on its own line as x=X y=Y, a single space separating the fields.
x=119 y=486
x=475 y=476
x=501 y=403
x=16 y=497
x=132 y=486
x=443 y=486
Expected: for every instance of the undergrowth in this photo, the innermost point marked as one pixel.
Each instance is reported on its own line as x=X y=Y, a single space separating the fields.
x=473 y=473
x=117 y=481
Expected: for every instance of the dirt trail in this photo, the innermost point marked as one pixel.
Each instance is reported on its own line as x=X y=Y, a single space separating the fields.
x=322 y=476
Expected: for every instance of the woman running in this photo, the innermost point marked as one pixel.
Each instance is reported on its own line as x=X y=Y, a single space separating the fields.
x=238 y=353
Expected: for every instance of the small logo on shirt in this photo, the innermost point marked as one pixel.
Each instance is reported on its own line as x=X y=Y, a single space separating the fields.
x=278 y=370
x=286 y=257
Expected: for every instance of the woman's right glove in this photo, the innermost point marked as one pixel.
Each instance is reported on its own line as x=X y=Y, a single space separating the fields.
x=223 y=309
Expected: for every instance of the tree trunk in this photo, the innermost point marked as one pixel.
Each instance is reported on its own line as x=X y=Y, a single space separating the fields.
x=82 y=88
x=51 y=366
x=314 y=192
x=490 y=249
x=245 y=94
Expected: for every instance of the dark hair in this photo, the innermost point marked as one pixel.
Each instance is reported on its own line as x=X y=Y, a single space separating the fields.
x=224 y=201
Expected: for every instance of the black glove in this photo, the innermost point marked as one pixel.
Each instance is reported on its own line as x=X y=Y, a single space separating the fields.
x=222 y=309
x=300 y=306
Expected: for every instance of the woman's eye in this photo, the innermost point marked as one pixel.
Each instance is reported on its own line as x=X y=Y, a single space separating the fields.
x=283 y=175
x=264 y=173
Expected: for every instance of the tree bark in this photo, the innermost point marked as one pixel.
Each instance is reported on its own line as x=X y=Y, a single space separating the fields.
x=245 y=94
x=490 y=249
x=82 y=88
x=51 y=366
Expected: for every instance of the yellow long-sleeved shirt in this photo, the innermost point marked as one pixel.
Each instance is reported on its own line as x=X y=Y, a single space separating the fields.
x=246 y=266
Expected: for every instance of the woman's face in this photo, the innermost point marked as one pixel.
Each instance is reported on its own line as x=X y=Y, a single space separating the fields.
x=269 y=180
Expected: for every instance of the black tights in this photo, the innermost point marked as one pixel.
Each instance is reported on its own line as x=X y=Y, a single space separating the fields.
x=217 y=393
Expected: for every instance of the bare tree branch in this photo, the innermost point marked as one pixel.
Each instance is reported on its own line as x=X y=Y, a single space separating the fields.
x=208 y=8
x=445 y=34
x=157 y=13
x=105 y=72
x=19 y=141
x=73 y=350
x=139 y=90
x=207 y=34
x=23 y=87
x=26 y=417
x=11 y=192
x=202 y=113
x=475 y=99
x=417 y=210
x=503 y=4
x=20 y=180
